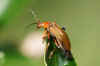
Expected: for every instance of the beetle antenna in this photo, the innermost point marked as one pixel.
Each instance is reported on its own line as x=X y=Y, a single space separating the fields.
x=31 y=24
x=34 y=15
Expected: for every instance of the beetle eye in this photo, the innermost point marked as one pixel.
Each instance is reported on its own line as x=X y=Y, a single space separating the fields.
x=63 y=28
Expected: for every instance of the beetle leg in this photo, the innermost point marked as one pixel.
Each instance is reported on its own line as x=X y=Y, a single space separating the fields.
x=51 y=53
x=44 y=36
x=56 y=43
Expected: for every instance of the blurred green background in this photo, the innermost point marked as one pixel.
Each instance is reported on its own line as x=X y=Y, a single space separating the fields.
x=80 y=17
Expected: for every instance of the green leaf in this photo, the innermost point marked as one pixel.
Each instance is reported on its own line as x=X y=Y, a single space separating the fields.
x=57 y=58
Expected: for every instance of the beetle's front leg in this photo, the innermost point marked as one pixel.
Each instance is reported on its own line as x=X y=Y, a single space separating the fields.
x=44 y=36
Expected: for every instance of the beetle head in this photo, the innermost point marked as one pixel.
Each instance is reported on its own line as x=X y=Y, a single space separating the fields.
x=43 y=25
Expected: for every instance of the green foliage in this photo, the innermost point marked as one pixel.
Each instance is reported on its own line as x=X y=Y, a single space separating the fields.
x=58 y=58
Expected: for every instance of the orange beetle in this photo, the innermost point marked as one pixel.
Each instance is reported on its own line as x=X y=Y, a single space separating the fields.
x=60 y=37
x=53 y=29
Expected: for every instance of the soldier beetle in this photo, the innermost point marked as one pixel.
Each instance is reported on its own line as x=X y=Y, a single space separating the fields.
x=59 y=35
